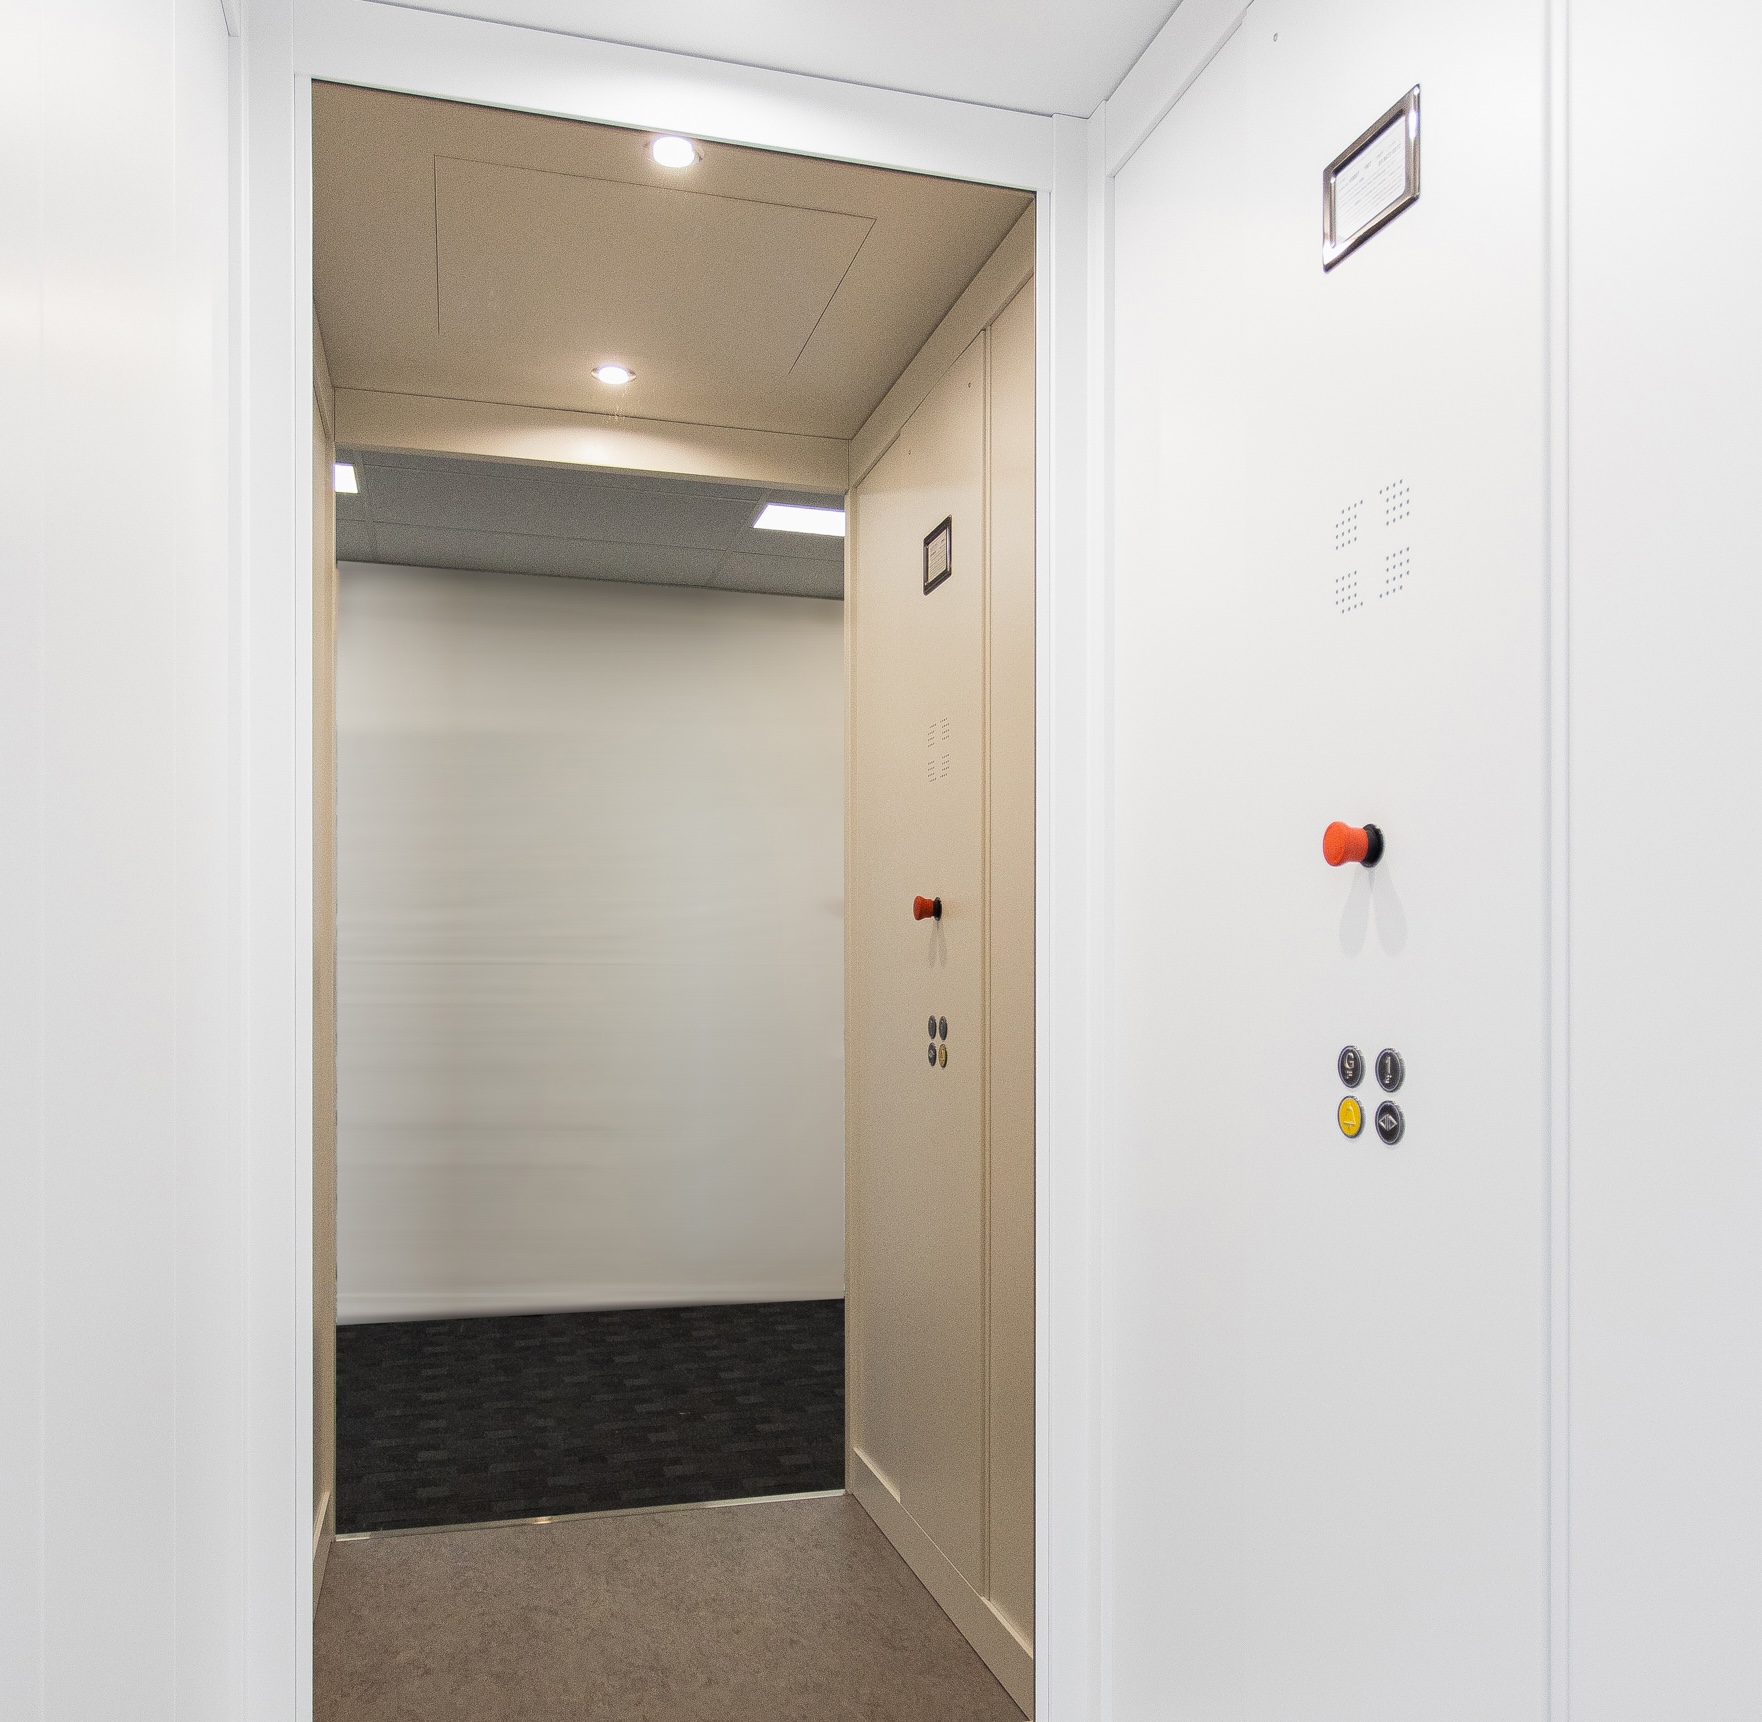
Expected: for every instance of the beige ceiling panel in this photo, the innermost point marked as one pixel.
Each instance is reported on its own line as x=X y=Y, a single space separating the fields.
x=722 y=355
x=440 y=424
x=709 y=299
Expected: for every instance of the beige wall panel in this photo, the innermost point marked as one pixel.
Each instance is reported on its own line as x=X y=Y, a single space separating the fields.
x=917 y=763
x=1010 y=970
x=324 y=599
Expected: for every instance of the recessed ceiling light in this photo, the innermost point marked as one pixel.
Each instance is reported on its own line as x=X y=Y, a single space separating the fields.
x=674 y=152
x=342 y=479
x=786 y=517
x=616 y=375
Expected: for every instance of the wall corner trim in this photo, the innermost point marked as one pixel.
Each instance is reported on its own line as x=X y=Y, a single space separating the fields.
x=322 y=387
x=1002 y=1647
x=1000 y=278
x=323 y=1536
x=1164 y=72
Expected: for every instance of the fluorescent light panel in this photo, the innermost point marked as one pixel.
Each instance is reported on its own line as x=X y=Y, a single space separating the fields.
x=787 y=517
x=342 y=479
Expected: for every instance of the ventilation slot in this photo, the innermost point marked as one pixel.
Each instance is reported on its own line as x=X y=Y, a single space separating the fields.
x=939 y=751
x=1395 y=568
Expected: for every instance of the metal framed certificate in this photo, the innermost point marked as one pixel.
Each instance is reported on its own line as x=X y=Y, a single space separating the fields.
x=1371 y=181
x=938 y=555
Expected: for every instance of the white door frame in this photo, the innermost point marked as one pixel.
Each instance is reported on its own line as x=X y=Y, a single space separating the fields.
x=286 y=45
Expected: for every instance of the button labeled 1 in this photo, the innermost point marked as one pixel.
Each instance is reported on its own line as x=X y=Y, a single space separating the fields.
x=1391 y=1072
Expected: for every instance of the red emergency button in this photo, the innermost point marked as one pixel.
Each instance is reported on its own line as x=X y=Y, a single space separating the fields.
x=1342 y=843
x=926 y=908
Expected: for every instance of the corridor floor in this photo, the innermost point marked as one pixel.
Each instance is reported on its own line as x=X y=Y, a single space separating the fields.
x=776 y=1611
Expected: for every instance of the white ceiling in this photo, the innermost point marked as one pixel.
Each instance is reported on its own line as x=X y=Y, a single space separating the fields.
x=1046 y=56
x=441 y=511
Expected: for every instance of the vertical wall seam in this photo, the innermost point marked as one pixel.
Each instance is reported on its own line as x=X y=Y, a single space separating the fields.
x=986 y=978
x=1558 y=1529
x=853 y=1352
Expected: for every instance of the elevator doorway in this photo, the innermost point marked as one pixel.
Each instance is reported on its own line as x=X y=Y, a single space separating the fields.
x=547 y=307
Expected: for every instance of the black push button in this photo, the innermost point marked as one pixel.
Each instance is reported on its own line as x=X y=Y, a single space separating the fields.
x=1350 y=1065
x=1391 y=1126
x=932 y=1052
x=1391 y=1072
x=942 y=1028
x=932 y=1028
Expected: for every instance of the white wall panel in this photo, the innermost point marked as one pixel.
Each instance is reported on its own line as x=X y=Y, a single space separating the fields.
x=1666 y=718
x=1330 y=1407
x=591 y=945
x=120 y=1259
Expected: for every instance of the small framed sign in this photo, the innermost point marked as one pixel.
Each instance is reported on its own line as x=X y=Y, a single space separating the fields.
x=1371 y=181
x=938 y=555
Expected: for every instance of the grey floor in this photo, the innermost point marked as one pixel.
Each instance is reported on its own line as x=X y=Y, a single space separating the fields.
x=752 y=1613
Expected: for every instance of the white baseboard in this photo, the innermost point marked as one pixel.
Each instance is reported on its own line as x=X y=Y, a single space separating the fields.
x=557 y=1300
x=980 y=1624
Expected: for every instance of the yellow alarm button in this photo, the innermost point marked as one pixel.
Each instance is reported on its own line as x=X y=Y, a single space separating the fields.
x=1351 y=1116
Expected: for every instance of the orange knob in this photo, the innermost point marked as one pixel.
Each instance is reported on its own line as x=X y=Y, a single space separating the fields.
x=1342 y=843
x=926 y=908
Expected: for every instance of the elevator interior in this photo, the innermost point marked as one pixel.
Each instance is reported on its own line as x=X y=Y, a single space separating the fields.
x=517 y=316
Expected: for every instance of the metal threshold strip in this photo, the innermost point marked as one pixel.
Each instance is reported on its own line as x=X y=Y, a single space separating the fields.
x=572 y=1518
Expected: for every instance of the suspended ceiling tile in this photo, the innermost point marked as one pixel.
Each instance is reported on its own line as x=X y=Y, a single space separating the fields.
x=790 y=546
x=786 y=576
x=552 y=502
x=570 y=558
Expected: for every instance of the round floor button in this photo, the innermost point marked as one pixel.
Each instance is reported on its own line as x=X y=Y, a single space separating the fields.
x=942 y=1053
x=1391 y=1126
x=932 y=1052
x=1350 y=1115
x=942 y=1028
x=1391 y=1072
x=1350 y=1065
x=932 y=1028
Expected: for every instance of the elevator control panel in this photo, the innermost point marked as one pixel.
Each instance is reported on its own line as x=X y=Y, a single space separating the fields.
x=939 y=1042
x=1391 y=1071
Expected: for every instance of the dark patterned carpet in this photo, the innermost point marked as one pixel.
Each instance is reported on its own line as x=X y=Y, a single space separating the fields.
x=511 y=1417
